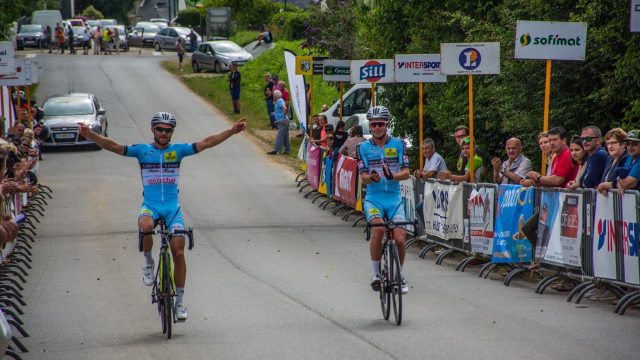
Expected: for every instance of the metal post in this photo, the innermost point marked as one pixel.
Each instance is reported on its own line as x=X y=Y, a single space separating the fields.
x=545 y=125
x=471 y=137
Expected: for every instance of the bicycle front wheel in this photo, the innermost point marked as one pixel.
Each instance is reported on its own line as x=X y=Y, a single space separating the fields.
x=385 y=296
x=167 y=296
x=395 y=285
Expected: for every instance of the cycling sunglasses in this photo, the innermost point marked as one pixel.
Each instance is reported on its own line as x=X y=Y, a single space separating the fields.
x=377 y=124
x=163 y=130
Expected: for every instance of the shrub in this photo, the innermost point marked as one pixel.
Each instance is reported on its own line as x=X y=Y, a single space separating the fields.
x=289 y=25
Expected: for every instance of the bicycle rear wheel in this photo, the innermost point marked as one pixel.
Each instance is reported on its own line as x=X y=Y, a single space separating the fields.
x=395 y=283
x=385 y=296
x=167 y=295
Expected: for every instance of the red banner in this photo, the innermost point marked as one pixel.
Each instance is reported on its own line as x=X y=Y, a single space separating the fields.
x=313 y=165
x=345 y=180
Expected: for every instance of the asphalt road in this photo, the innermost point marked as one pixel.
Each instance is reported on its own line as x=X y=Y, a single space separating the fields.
x=271 y=276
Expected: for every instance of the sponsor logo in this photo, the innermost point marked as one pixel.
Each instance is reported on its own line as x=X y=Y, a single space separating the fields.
x=337 y=70
x=470 y=59
x=606 y=232
x=345 y=177
x=435 y=65
x=374 y=211
x=556 y=40
x=373 y=71
x=441 y=200
x=514 y=197
x=146 y=212
x=170 y=156
x=390 y=152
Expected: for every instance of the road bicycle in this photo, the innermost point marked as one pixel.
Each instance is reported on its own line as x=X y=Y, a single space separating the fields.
x=164 y=289
x=390 y=270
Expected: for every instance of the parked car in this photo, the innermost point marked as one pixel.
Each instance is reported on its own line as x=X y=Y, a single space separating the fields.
x=46 y=18
x=356 y=100
x=161 y=23
x=62 y=113
x=105 y=22
x=92 y=24
x=218 y=56
x=78 y=32
x=30 y=35
x=76 y=22
x=166 y=38
x=122 y=34
x=143 y=34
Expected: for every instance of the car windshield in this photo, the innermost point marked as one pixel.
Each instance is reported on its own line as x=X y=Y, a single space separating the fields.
x=78 y=29
x=68 y=107
x=119 y=27
x=30 y=29
x=92 y=23
x=226 y=47
x=108 y=22
x=183 y=31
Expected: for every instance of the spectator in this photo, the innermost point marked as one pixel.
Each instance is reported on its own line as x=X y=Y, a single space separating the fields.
x=562 y=168
x=268 y=98
x=37 y=130
x=350 y=146
x=116 y=39
x=579 y=158
x=324 y=108
x=193 y=40
x=615 y=141
x=596 y=159
x=515 y=168
x=434 y=164
x=477 y=165
x=86 y=42
x=282 y=137
x=106 y=40
x=180 y=51
x=627 y=177
x=339 y=135
x=18 y=131
x=322 y=131
x=317 y=127
x=461 y=133
x=234 y=87
x=545 y=148
x=282 y=86
x=59 y=38
x=97 y=36
x=47 y=37
x=71 y=36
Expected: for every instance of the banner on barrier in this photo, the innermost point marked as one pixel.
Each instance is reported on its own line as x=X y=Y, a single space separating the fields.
x=443 y=210
x=604 y=242
x=481 y=210
x=629 y=238
x=345 y=181
x=313 y=165
x=560 y=228
x=325 y=173
x=408 y=198
x=515 y=207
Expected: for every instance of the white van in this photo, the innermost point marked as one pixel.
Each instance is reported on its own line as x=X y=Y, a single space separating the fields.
x=356 y=100
x=47 y=18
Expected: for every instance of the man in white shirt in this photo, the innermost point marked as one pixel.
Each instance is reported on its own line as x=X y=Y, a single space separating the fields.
x=433 y=165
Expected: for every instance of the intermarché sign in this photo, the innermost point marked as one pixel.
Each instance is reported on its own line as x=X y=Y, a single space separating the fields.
x=550 y=40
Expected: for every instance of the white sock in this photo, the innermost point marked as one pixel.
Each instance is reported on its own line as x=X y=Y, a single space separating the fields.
x=180 y=295
x=148 y=258
x=375 y=267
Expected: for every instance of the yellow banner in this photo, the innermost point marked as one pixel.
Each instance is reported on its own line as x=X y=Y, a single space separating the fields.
x=304 y=65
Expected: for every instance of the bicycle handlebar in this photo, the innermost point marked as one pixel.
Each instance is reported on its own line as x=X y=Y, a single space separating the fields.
x=388 y=225
x=189 y=233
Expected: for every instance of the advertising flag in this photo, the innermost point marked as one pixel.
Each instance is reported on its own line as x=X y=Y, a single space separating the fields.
x=297 y=90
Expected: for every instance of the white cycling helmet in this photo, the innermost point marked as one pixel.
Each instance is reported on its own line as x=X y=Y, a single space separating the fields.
x=163 y=118
x=378 y=112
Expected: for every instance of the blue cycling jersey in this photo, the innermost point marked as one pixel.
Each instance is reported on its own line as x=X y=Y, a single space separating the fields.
x=160 y=169
x=371 y=157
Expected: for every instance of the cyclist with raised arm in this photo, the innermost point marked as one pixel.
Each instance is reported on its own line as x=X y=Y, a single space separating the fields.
x=383 y=163
x=160 y=170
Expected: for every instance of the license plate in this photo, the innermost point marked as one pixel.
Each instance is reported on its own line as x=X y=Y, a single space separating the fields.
x=65 y=136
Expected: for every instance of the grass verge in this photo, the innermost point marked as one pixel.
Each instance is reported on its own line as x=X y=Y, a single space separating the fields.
x=214 y=88
x=244 y=37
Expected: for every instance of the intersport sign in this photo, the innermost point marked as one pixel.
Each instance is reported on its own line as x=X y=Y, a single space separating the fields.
x=550 y=40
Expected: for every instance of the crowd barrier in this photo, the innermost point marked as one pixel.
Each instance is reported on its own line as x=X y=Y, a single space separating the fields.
x=584 y=238
x=15 y=259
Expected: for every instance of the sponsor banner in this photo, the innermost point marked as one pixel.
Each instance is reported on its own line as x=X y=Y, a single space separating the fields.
x=21 y=75
x=560 y=229
x=418 y=68
x=481 y=210
x=629 y=239
x=7 y=58
x=634 y=22
x=318 y=64
x=336 y=70
x=372 y=71
x=550 y=40
x=7 y=109
x=304 y=65
x=408 y=198
x=345 y=189
x=313 y=165
x=514 y=208
x=37 y=67
x=470 y=59
x=297 y=90
x=325 y=173
x=443 y=210
x=604 y=238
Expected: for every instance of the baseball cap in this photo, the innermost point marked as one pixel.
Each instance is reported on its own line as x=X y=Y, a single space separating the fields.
x=633 y=135
x=329 y=127
x=460 y=127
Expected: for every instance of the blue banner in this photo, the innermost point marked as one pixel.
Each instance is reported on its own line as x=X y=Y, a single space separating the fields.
x=515 y=206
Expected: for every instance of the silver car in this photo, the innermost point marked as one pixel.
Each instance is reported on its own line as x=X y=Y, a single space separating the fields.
x=218 y=56
x=143 y=34
x=31 y=35
x=62 y=113
x=166 y=38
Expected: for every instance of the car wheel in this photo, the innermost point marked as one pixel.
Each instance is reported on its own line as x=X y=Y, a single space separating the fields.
x=157 y=47
x=195 y=66
x=217 y=68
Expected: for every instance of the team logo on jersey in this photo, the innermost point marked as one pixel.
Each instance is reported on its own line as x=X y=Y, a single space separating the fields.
x=391 y=152
x=374 y=211
x=170 y=156
x=146 y=212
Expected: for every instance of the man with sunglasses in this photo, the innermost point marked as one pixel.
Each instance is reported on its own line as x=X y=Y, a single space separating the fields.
x=383 y=163
x=596 y=162
x=160 y=170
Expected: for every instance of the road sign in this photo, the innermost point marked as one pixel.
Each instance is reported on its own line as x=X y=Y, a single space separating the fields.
x=470 y=58
x=7 y=58
x=635 y=16
x=550 y=40
x=372 y=71
x=336 y=70
x=413 y=68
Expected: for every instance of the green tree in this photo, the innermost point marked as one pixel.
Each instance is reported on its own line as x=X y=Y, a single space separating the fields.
x=329 y=28
x=92 y=13
x=118 y=9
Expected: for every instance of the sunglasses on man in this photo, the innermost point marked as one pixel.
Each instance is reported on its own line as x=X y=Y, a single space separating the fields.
x=163 y=130
x=377 y=124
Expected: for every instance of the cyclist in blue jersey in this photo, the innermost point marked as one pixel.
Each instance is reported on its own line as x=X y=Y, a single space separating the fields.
x=160 y=170
x=383 y=163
